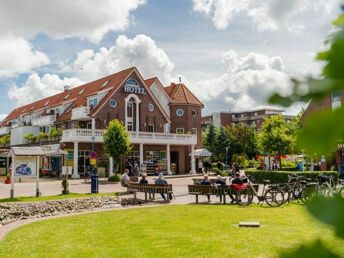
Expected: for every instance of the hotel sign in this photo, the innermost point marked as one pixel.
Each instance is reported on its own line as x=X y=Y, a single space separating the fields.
x=132 y=86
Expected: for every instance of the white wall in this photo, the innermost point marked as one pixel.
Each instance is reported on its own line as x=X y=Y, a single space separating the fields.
x=160 y=95
x=17 y=134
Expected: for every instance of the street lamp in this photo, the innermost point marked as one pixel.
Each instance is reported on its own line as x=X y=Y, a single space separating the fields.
x=227 y=157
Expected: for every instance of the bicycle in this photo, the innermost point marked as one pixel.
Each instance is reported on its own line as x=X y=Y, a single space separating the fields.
x=272 y=195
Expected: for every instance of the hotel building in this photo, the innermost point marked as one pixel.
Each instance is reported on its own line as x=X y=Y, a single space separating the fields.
x=164 y=123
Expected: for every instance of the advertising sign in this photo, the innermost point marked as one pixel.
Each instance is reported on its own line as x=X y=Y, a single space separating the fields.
x=25 y=166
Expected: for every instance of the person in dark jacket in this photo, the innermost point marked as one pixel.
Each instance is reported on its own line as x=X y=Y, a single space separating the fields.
x=235 y=181
x=219 y=180
x=143 y=180
x=162 y=181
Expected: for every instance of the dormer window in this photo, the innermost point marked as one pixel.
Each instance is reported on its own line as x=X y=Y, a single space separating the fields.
x=105 y=83
x=93 y=102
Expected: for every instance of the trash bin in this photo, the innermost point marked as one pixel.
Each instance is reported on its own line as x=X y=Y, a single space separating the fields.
x=94 y=183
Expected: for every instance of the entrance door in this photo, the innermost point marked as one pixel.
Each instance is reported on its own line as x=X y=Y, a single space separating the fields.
x=175 y=162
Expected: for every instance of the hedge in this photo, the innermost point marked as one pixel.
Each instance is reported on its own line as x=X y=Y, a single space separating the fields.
x=282 y=176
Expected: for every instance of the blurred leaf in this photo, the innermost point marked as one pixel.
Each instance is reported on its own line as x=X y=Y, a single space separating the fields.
x=339 y=21
x=329 y=211
x=317 y=249
x=322 y=131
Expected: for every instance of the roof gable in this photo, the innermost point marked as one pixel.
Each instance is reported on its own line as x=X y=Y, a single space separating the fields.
x=180 y=94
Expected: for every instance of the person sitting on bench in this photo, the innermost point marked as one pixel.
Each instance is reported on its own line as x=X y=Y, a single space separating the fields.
x=205 y=181
x=143 y=180
x=161 y=181
x=125 y=177
x=236 y=181
x=219 y=180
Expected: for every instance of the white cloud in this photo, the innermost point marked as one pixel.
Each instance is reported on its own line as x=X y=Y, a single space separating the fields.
x=247 y=83
x=18 y=56
x=141 y=51
x=2 y=116
x=87 y=19
x=36 y=88
x=265 y=14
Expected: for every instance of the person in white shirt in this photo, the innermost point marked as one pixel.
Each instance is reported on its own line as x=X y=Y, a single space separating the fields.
x=125 y=177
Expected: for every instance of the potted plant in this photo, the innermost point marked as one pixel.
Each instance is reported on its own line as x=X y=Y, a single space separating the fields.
x=59 y=132
x=28 y=137
x=8 y=179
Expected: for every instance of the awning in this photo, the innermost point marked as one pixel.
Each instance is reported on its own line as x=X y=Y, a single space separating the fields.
x=45 y=150
x=201 y=153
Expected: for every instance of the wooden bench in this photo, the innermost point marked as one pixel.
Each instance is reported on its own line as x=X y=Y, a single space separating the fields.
x=220 y=191
x=150 y=190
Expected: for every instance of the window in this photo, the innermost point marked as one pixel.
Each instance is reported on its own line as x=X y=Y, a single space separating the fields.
x=151 y=128
x=179 y=112
x=180 y=131
x=72 y=126
x=66 y=97
x=105 y=83
x=113 y=103
x=93 y=102
x=81 y=92
x=150 y=107
x=194 y=112
x=194 y=131
x=46 y=103
x=89 y=125
x=255 y=114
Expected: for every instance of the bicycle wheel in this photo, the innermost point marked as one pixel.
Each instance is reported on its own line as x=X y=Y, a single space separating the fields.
x=308 y=193
x=274 y=197
x=244 y=197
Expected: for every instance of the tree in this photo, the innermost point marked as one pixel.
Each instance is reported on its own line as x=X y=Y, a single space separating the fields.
x=274 y=137
x=242 y=140
x=116 y=141
x=222 y=141
x=210 y=139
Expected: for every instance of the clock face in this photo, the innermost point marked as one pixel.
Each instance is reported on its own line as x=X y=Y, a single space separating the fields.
x=179 y=112
x=113 y=103
x=150 y=107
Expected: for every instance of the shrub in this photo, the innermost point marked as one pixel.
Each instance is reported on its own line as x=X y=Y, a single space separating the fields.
x=65 y=186
x=28 y=136
x=42 y=136
x=289 y=168
x=282 y=176
x=241 y=160
x=115 y=178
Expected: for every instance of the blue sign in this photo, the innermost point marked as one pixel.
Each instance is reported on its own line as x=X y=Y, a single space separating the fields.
x=132 y=86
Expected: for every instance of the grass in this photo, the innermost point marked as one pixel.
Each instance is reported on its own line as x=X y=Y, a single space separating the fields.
x=170 y=231
x=54 y=197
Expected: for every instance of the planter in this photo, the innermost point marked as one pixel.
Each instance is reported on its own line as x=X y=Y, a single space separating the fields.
x=7 y=181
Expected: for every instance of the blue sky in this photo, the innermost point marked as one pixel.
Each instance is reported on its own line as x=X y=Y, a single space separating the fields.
x=231 y=54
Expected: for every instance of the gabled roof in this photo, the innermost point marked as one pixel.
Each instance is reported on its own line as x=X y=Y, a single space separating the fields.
x=149 y=82
x=180 y=94
x=77 y=95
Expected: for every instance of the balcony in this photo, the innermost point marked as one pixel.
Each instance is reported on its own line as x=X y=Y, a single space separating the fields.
x=81 y=113
x=43 y=120
x=5 y=130
x=85 y=135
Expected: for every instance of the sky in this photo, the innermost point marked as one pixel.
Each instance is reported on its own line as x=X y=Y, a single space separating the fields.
x=232 y=54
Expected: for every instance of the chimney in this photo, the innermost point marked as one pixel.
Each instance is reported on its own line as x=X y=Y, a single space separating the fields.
x=66 y=88
x=180 y=79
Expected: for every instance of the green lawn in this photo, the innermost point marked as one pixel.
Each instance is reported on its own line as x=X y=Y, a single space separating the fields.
x=54 y=197
x=170 y=231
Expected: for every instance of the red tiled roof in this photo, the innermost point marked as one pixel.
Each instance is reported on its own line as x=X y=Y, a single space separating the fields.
x=77 y=95
x=180 y=94
x=149 y=82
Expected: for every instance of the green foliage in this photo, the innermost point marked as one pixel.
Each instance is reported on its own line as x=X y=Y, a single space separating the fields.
x=222 y=141
x=282 y=176
x=241 y=160
x=65 y=186
x=210 y=139
x=42 y=136
x=116 y=141
x=316 y=249
x=53 y=132
x=5 y=140
x=276 y=136
x=329 y=211
x=28 y=136
x=59 y=132
x=114 y=178
x=242 y=140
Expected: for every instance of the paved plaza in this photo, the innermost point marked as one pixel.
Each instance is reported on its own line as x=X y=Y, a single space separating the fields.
x=53 y=187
